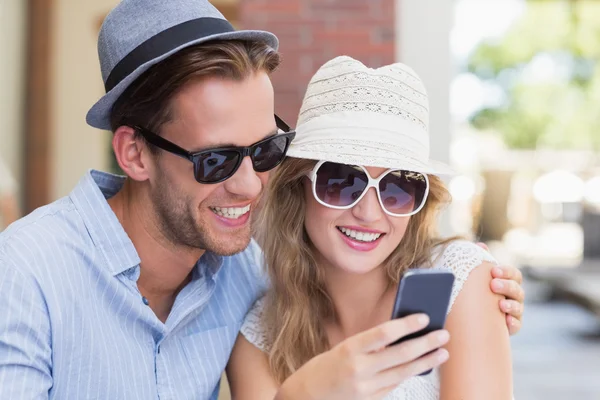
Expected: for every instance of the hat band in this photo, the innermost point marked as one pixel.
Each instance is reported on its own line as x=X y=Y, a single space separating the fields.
x=163 y=43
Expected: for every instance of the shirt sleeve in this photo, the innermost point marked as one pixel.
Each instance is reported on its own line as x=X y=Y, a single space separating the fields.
x=256 y=262
x=25 y=350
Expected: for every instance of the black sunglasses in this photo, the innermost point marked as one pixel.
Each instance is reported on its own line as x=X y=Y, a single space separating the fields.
x=217 y=165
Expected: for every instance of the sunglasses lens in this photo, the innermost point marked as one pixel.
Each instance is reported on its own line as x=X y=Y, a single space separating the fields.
x=216 y=166
x=340 y=185
x=268 y=154
x=403 y=192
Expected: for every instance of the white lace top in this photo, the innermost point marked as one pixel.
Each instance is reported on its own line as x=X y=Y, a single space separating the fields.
x=459 y=257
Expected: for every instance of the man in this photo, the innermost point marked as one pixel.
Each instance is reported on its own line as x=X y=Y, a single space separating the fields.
x=136 y=287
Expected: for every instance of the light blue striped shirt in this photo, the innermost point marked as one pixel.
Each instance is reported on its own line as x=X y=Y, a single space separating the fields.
x=72 y=321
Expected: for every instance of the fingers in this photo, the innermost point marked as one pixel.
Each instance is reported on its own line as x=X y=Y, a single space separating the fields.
x=408 y=351
x=397 y=375
x=513 y=308
x=508 y=272
x=509 y=289
x=514 y=325
x=382 y=335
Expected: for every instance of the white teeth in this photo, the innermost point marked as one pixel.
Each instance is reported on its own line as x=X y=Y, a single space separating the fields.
x=231 y=212
x=360 y=236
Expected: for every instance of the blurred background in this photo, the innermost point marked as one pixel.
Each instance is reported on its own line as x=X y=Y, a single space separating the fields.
x=514 y=89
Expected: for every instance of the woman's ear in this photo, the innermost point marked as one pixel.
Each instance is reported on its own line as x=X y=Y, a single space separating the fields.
x=131 y=153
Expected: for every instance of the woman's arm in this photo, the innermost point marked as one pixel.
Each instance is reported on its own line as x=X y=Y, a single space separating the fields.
x=362 y=366
x=480 y=365
x=249 y=374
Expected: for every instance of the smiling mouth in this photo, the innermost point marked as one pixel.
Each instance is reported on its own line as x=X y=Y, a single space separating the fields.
x=360 y=236
x=231 y=212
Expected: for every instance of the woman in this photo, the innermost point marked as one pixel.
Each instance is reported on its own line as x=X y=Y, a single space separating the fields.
x=360 y=198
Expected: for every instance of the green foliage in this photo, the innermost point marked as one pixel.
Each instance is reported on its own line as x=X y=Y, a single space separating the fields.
x=562 y=112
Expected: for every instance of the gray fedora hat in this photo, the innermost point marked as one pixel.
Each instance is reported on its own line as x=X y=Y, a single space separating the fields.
x=137 y=34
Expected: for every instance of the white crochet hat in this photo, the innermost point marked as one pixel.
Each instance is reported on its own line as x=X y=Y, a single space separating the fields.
x=356 y=115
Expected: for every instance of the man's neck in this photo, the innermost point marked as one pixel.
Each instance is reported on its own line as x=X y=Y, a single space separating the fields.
x=165 y=268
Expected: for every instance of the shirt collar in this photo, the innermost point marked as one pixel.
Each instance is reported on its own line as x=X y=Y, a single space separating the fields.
x=209 y=264
x=90 y=198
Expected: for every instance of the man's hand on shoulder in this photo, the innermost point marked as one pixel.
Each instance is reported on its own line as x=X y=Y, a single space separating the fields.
x=507 y=281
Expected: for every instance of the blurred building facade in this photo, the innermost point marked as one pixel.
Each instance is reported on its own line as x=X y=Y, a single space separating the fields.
x=312 y=32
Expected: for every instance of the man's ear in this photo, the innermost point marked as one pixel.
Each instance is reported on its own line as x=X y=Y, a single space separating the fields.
x=131 y=153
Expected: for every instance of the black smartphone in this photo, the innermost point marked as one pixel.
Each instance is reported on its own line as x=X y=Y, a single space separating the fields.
x=424 y=291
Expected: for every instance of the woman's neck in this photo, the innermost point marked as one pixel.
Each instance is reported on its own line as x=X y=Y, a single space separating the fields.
x=360 y=301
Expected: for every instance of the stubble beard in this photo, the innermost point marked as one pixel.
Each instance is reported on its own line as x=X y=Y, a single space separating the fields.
x=180 y=221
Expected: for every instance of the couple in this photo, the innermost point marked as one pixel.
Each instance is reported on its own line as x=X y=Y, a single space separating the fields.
x=138 y=287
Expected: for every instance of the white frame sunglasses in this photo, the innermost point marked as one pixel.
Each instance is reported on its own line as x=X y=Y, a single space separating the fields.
x=372 y=183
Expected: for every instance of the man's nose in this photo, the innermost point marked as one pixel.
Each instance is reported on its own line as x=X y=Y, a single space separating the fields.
x=245 y=182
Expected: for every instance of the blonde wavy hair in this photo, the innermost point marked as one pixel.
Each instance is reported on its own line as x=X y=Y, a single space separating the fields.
x=298 y=302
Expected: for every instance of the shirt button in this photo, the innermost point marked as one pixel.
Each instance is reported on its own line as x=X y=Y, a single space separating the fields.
x=145 y=301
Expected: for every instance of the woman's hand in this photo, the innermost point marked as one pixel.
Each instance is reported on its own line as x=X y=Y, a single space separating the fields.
x=507 y=281
x=364 y=366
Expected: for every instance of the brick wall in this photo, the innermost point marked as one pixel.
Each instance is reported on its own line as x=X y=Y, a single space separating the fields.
x=314 y=31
